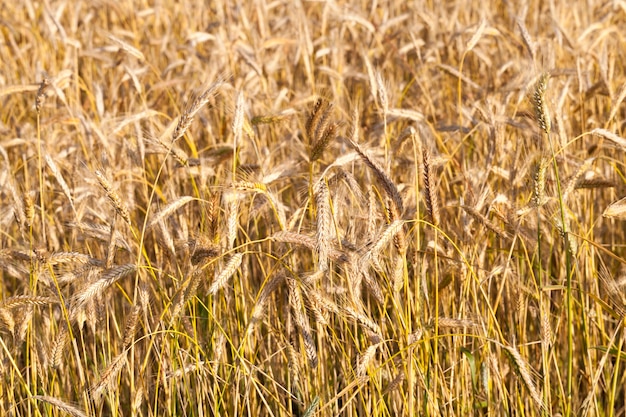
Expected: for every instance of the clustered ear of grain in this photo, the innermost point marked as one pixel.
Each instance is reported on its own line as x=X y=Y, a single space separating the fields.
x=312 y=208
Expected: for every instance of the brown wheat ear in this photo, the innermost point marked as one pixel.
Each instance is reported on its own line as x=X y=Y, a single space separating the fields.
x=430 y=192
x=319 y=128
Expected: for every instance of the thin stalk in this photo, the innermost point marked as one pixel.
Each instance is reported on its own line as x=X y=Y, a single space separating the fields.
x=568 y=285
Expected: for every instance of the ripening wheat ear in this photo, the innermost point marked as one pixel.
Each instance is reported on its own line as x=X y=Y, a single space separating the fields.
x=397 y=205
x=41 y=93
x=108 y=278
x=323 y=244
x=113 y=196
x=539 y=183
x=319 y=128
x=523 y=370
x=193 y=107
x=539 y=103
x=108 y=376
x=63 y=406
x=301 y=321
x=229 y=270
x=430 y=193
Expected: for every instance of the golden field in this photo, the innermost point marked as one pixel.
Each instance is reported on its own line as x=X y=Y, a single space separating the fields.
x=312 y=208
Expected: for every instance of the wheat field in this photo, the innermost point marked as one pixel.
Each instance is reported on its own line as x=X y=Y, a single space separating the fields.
x=312 y=208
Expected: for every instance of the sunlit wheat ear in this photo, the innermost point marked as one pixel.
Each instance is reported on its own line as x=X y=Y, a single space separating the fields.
x=523 y=370
x=167 y=211
x=7 y=321
x=398 y=273
x=315 y=307
x=193 y=107
x=364 y=360
x=106 y=279
x=486 y=222
x=23 y=300
x=57 y=175
x=573 y=181
x=309 y=243
x=59 y=404
x=430 y=192
x=229 y=270
x=323 y=245
x=41 y=93
x=320 y=129
x=357 y=315
x=616 y=210
x=539 y=183
x=388 y=185
x=542 y=113
x=617 y=140
x=383 y=240
x=19 y=210
x=450 y=323
x=528 y=42
x=383 y=97
x=547 y=335
x=131 y=326
x=616 y=298
x=113 y=196
x=108 y=377
x=238 y=118
x=58 y=347
x=263 y=299
x=301 y=321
